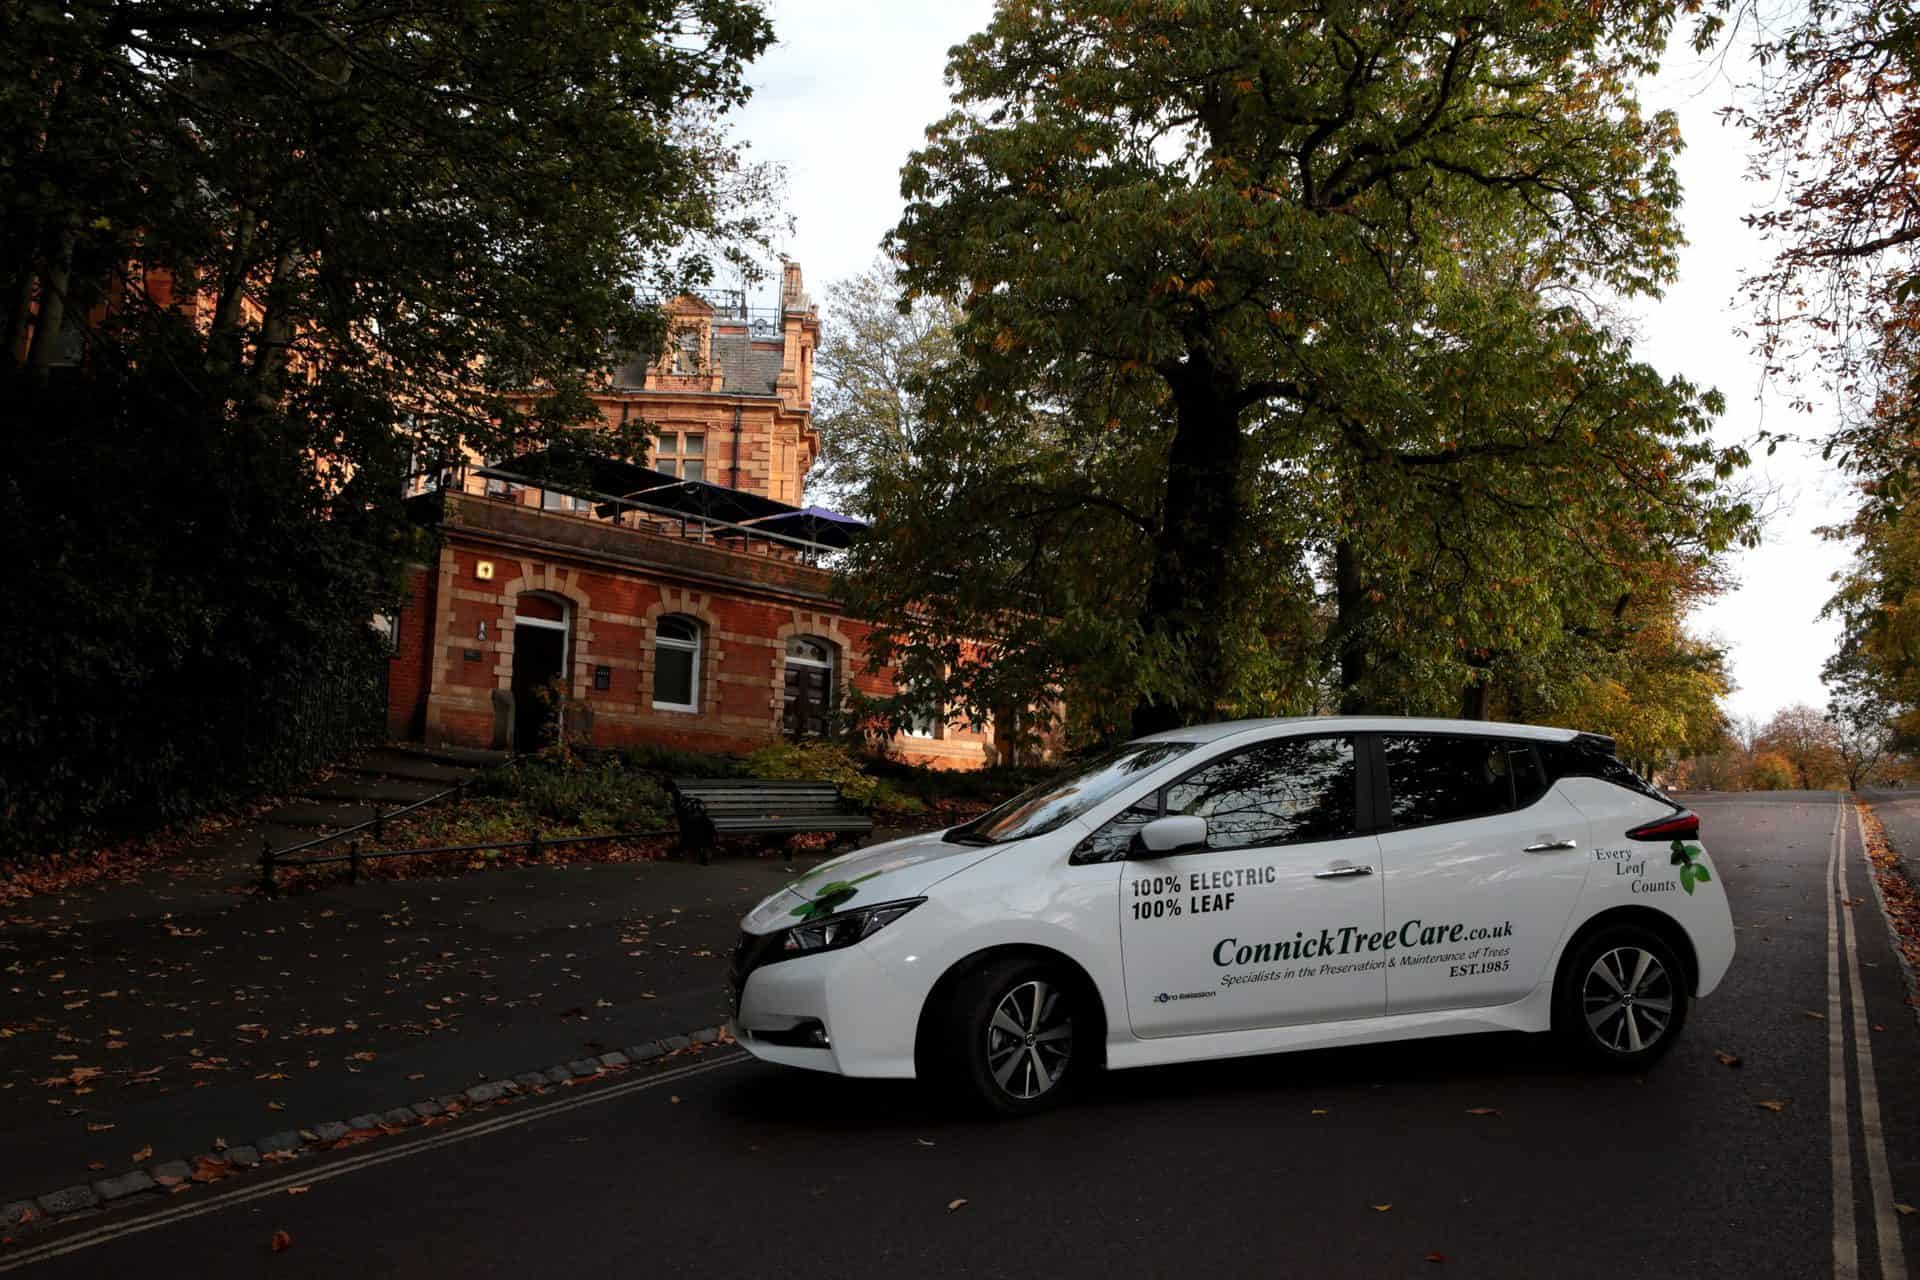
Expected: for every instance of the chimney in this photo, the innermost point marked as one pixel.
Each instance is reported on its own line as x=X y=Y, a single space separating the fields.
x=793 y=295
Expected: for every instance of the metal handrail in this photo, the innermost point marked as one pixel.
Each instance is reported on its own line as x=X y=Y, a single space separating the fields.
x=353 y=857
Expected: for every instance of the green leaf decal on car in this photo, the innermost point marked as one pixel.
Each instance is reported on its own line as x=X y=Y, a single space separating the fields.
x=830 y=898
x=1691 y=860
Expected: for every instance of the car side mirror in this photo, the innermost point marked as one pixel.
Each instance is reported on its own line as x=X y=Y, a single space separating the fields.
x=1162 y=836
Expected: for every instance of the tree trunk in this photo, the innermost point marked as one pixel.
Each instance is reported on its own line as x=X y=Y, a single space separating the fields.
x=223 y=337
x=1476 y=696
x=20 y=314
x=1195 y=553
x=52 y=320
x=1352 y=611
x=276 y=331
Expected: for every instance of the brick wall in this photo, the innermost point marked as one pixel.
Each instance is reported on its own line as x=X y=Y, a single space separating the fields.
x=611 y=613
x=409 y=671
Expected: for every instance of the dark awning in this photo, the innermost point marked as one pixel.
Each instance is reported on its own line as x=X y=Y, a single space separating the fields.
x=590 y=475
x=813 y=524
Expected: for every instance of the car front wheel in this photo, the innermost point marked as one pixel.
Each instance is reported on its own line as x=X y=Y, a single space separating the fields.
x=1014 y=1036
x=1623 y=997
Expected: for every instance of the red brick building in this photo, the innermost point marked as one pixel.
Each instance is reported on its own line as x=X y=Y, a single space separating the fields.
x=685 y=603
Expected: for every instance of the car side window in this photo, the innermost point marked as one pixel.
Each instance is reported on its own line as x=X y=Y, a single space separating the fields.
x=1529 y=779
x=1448 y=777
x=1115 y=837
x=1287 y=791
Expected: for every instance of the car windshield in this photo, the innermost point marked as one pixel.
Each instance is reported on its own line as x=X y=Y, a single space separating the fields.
x=1050 y=805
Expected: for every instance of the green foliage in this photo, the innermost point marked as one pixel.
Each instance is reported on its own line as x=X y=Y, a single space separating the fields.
x=817 y=760
x=567 y=790
x=259 y=262
x=673 y=762
x=1275 y=384
x=425 y=207
x=866 y=407
x=191 y=621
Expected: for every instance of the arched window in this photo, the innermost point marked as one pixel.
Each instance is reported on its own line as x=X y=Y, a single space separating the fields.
x=676 y=663
x=809 y=694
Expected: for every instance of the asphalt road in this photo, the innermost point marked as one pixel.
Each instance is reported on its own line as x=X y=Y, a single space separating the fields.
x=730 y=1167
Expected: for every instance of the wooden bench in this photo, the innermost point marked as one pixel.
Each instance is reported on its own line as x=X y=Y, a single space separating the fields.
x=709 y=808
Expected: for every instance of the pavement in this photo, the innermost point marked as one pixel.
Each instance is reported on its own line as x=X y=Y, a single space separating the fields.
x=1363 y=1162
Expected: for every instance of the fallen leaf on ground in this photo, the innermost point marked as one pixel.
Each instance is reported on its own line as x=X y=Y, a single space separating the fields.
x=144 y=1153
x=674 y=1098
x=298 y=1191
x=956 y=1204
x=1483 y=1111
x=276 y=1106
x=282 y=1242
x=98 y=1126
x=1817 y=1017
x=1773 y=1104
x=923 y=1142
x=1726 y=1059
x=418 y=1075
x=96 y=1164
x=1906 y=1209
x=1436 y=1256
x=206 y=1169
x=1319 y=1111
x=1382 y=1208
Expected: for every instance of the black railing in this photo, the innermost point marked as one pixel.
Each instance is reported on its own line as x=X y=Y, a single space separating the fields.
x=272 y=860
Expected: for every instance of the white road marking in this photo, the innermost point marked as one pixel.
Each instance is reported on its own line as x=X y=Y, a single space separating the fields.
x=353 y=1164
x=1886 y=1223
x=1846 y=1250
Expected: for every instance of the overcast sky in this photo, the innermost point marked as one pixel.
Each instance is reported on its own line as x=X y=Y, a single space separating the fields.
x=850 y=87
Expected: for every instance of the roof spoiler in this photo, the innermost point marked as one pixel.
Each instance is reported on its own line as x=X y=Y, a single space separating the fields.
x=1595 y=742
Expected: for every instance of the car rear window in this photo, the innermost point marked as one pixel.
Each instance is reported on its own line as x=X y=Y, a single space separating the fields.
x=1446 y=777
x=1579 y=759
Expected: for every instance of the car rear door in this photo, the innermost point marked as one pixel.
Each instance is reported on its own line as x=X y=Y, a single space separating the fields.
x=1483 y=865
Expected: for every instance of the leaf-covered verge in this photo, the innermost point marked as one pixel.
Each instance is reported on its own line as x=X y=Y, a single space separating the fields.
x=1897 y=891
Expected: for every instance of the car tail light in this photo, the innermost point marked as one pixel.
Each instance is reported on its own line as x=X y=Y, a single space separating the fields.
x=1684 y=825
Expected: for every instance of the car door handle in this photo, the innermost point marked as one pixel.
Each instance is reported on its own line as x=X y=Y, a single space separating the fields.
x=1552 y=846
x=1335 y=873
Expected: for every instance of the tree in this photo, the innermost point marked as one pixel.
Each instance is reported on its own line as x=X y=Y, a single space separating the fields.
x=259 y=260
x=877 y=352
x=1770 y=771
x=1837 y=310
x=1805 y=739
x=1256 y=299
x=420 y=208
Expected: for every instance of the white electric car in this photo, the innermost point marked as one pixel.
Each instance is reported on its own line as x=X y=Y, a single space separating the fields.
x=1245 y=888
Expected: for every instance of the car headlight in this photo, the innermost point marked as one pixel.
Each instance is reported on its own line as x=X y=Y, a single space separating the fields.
x=844 y=928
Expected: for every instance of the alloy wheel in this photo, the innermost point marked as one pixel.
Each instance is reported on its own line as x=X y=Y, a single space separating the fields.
x=1627 y=997
x=1030 y=1039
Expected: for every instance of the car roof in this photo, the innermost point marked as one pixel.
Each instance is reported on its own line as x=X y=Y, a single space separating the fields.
x=1221 y=729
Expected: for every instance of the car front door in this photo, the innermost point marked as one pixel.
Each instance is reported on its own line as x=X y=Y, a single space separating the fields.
x=1483 y=866
x=1262 y=927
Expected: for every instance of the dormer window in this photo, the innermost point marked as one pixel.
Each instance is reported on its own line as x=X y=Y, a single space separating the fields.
x=686 y=352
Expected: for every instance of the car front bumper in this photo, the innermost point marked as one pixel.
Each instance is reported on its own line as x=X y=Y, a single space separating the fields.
x=867 y=1007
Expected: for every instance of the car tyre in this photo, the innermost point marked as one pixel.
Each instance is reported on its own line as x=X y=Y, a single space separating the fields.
x=1018 y=1034
x=1622 y=998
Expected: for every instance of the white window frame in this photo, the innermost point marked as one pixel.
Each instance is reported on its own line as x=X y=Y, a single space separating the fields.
x=934 y=731
x=693 y=646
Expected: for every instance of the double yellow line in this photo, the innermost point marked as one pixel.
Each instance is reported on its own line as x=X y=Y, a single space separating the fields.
x=1886 y=1224
x=239 y=1195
